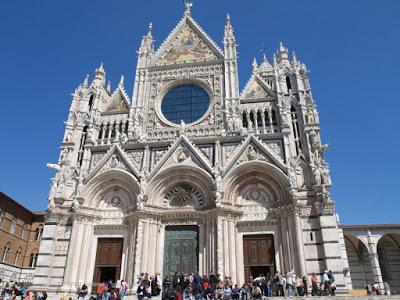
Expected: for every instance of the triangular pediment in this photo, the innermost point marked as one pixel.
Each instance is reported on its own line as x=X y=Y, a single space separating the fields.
x=257 y=88
x=182 y=152
x=114 y=159
x=187 y=43
x=118 y=102
x=252 y=150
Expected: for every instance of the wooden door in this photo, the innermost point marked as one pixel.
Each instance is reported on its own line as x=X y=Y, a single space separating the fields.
x=108 y=260
x=259 y=255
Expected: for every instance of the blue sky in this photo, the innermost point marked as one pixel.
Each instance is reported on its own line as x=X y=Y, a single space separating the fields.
x=351 y=47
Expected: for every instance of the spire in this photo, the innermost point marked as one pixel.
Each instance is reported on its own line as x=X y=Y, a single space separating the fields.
x=283 y=54
x=254 y=64
x=188 y=5
x=228 y=27
x=150 y=30
x=109 y=87
x=86 y=81
x=265 y=65
x=121 y=81
x=147 y=40
x=294 y=57
x=99 y=74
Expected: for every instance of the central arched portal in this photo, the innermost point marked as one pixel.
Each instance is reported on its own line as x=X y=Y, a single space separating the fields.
x=181 y=249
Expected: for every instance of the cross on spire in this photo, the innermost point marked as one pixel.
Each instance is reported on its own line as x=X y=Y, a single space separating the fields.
x=188 y=4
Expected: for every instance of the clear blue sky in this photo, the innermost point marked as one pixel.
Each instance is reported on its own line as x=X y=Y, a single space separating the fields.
x=351 y=47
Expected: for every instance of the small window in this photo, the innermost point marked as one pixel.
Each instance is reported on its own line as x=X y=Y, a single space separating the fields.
x=13 y=226
x=288 y=83
x=311 y=236
x=90 y=102
x=17 y=256
x=38 y=233
x=33 y=260
x=6 y=251
x=25 y=231
x=1 y=217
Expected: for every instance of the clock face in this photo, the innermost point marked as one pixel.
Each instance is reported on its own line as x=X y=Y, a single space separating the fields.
x=187 y=103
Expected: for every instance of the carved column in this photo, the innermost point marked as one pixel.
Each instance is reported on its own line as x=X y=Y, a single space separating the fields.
x=263 y=120
x=220 y=248
x=138 y=253
x=298 y=243
x=270 y=119
x=131 y=252
x=255 y=114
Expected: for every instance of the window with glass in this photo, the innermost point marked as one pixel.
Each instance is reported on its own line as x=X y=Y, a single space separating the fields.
x=187 y=103
x=13 y=226
x=33 y=260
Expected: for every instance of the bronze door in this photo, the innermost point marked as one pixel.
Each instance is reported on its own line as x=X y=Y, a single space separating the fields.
x=181 y=249
x=259 y=255
x=108 y=260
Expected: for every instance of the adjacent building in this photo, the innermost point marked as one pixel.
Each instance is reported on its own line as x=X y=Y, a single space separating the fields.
x=20 y=235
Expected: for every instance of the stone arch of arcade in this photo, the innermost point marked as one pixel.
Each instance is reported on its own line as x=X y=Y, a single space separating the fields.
x=374 y=255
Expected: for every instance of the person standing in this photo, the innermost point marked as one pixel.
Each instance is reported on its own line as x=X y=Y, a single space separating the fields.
x=289 y=283
x=141 y=291
x=123 y=289
x=305 y=285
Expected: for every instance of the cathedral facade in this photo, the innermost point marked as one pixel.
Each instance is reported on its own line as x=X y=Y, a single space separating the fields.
x=191 y=174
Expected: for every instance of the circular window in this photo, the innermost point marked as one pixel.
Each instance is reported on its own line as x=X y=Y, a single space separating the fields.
x=187 y=103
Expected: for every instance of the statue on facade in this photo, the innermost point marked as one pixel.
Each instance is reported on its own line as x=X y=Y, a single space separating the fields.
x=251 y=153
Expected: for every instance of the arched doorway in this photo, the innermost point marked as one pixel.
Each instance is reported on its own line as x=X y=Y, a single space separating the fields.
x=389 y=260
x=359 y=263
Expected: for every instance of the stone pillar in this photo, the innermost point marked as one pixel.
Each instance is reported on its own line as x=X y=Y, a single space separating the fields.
x=299 y=257
x=132 y=226
x=220 y=248
x=72 y=256
x=374 y=259
x=330 y=239
x=138 y=253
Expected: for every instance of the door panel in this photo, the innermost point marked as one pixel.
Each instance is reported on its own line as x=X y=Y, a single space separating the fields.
x=181 y=249
x=108 y=260
x=259 y=255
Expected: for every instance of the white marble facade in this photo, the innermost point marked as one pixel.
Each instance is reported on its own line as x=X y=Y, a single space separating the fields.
x=252 y=164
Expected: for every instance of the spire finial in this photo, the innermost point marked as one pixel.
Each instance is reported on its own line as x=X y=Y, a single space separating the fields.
x=109 y=87
x=86 y=81
x=188 y=4
x=294 y=57
x=150 y=28
x=121 y=81
x=255 y=65
x=228 y=18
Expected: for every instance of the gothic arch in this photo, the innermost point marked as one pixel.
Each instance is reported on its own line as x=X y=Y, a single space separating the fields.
x=388 y=249
x=359 y=262
x=198 y=181
x=101 y=190
x=270 y=181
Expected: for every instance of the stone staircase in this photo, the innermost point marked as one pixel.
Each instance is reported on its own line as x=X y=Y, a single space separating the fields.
x=338 y=297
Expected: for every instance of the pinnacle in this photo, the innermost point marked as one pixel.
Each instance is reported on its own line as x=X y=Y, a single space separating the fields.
x=121 y=81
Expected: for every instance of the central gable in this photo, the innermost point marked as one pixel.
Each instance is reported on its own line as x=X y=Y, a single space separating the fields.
x=187 y=43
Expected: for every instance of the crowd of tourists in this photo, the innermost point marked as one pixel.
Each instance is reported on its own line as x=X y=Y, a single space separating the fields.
x=192 y=286
x=15 y=290
x=213 y=287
